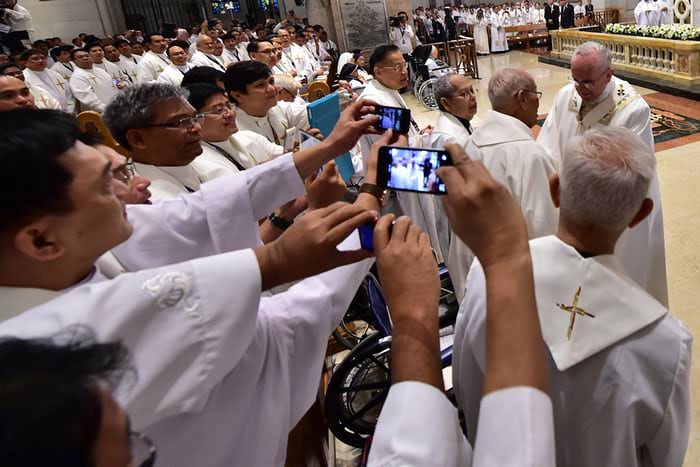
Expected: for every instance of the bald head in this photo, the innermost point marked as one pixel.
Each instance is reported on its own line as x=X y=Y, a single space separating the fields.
x=14 y=94
x=513 y=91
x=205 y=44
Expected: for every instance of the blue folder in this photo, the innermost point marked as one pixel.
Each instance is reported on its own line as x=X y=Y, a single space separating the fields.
x=323 y=114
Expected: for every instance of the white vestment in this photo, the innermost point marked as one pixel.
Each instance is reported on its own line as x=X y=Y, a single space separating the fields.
x=93 y=88
x=481 y=36
x=402 y=37
x=506 y=147
x=641 y=249
x=54 y=84
x=44 y=100
x=499 y=43
x=151 y=66
x=419 y=207
x=63 y=69
x=232 y=55
x=170 y=181
x=243 y=150
x=112 y=70
x=173 y=74
x=419 y=426
x=238 y=374
x=274 y=125
x=646 y=13
x=130 y=69
x=201 y=59
x=448 y=129
x=665 y=15
x=302 y=60
x=619 y=372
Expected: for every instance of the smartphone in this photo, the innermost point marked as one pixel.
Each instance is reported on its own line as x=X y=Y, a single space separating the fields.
x=290 y=139
x=393 y=118
x=366 y=232
x=412 y=169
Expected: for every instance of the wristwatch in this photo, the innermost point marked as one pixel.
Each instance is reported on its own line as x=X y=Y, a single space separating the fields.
x=373 y=190
x=279 y=222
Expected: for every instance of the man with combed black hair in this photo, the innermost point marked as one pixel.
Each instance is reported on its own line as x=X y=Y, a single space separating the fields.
x=252 y=87
x=154 y=61
x=263 y=52
x=203 y=74
x=63 y=65
x=14 y=93
x=179 y=66
x=36 y=75
x=91 y=86
x=232 y=355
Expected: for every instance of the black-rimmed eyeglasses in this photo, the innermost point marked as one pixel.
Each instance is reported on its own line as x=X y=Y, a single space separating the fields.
x=186 y=123
x=143 y=450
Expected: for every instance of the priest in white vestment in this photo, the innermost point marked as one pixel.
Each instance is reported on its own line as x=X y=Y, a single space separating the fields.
x=128 y=70
x=97 y=56
x=505 y=145
x=390 y=72
x=251 y=85
x=646 y=13
x=154 y=61
x=204 y=54
x=93 y=88
x=63 y=65
x=620 y=362
x=179 y=65
x=481 y=35
x=596 y=100
x=665 y=12
x=37 y=76
x=243 y=364
x=499 y=43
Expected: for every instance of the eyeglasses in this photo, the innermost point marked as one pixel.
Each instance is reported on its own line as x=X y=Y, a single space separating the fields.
x=218 y=111
x=397 y=68
x=471 y=92
x=186 y=123
x=125 y=172
x=143 y=450
x=538 y=93
x=587 y=83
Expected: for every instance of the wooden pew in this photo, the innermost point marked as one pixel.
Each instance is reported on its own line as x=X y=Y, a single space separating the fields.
x=527 y=34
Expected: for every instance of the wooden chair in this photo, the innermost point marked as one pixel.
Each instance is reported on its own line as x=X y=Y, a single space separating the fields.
x=92 y=122
x=317 y=90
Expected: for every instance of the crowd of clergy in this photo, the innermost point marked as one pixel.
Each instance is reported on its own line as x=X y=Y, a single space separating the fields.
x=173 y=307
x=654 y=12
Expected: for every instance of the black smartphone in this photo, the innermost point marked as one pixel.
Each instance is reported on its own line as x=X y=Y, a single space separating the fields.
x=412 y=169
x=393 y=118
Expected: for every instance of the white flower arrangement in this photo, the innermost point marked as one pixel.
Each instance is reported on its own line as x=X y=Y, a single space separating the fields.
x=685 y=32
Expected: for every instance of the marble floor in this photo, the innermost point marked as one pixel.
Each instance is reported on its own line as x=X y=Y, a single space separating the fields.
x=679 y=175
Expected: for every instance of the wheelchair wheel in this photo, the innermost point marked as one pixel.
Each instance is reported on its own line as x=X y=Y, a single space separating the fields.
x=357 y=390
x=426 y=94
x=357 y=322
x=417 y=84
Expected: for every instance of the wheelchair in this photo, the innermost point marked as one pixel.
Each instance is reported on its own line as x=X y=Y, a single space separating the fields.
x=424 y=77
x=360 y=383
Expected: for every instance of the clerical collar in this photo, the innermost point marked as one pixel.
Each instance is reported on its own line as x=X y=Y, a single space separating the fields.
x=465 y=123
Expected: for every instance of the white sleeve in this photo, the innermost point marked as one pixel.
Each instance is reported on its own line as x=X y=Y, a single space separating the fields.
x=549 y=134
x=669 y=444
x=516 y=429
x=221 y=216
x=418 y=426
x=533 y=193
x=18 y=13
x=147 y=72
x=271 y=149
x=186 y=326
x=85 y=94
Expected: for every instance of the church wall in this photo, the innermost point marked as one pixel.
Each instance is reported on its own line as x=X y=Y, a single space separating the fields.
x=68 y=18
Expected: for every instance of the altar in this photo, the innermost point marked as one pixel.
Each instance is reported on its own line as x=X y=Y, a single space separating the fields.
x=669 y=60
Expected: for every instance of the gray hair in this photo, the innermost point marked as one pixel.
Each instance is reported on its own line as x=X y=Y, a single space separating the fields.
x=134 y=107
x=505 y=83
x=605 y=176
x=287 y=81
x=601 y=53
x=443 y=88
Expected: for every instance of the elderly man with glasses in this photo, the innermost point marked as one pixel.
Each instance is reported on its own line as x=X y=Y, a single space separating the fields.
x=163 y=132
x=456 y=99
x=597 y=99
x=505 y=145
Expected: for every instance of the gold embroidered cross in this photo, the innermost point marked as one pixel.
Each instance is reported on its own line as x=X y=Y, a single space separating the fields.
x=574 y=310
x=59 y=83
x=93 y=79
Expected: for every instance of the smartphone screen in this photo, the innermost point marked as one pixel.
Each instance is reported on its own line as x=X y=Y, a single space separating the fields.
x=393 y=118
x=412 y=169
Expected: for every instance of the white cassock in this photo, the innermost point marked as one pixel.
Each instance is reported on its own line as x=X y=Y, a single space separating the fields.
x=619 y=105
x=129 y=69
x=507 y=149
x=302 y=60
x=232 y=55
x=240 y=370
x=173 y=74
x=243 y=51
x=63 y=69
x=201 y=59
x=419 y=207
x=665 y=12
x=537 y=16
x=151 y=66
x=44 y=100
x=481 y=36
x=241 y=151
x=646 y=13
x=273 y=126
x=286 y=65
x=419 y=426
x=93 y=88
x=170 y=181
x=112 y=70
x=54 y=84
x=498 y=33
x=619 y=386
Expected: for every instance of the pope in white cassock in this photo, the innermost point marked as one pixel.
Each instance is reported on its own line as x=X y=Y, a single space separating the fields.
x=620 y=362
x=646 y=13
x=506 y=146
x=222 y=374
x=598 y=99
x=390 y=72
